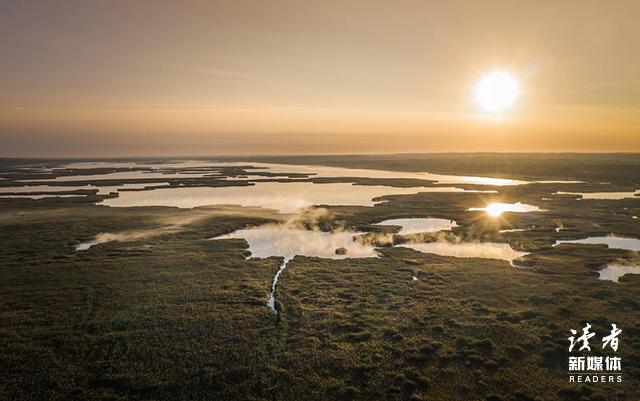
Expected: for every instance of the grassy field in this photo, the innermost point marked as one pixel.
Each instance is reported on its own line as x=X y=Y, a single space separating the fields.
x=172 y=315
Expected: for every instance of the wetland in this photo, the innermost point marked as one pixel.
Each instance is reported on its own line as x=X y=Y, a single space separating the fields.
x=421 y=277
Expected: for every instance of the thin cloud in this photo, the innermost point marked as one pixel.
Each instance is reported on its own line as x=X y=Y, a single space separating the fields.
x=228 y=74
x=241 y=75
x=598 y=85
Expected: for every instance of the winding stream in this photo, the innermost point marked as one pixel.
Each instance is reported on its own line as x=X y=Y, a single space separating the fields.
x=286 y=242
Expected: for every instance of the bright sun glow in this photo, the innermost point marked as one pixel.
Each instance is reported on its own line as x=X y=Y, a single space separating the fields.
x=497 y=91
x=496 y=209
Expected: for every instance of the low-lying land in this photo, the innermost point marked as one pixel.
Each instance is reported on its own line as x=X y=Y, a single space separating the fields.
x=169 y=314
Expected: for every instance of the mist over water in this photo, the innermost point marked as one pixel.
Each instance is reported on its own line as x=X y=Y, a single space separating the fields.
x=103 y=238
x=166 y=226
x=287 y=241
x=420 y=225
x=219 y=200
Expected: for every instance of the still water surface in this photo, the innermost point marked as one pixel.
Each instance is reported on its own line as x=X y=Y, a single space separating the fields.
x=612 y=241
x=287 y=242
x=420 y=225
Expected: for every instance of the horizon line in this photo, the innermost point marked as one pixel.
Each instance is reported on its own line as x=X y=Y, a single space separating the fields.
x=245 y=155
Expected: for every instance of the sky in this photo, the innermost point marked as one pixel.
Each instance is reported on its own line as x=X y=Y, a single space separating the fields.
x=96 y=78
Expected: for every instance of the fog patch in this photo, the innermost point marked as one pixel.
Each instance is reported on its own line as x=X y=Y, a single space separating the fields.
x=172 y=224
x=420 y=225
x=300 y=236
x=103 y=238
x=287 y=242
x=375 y=239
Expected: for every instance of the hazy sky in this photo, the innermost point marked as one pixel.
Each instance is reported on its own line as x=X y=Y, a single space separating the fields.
x=114 y=78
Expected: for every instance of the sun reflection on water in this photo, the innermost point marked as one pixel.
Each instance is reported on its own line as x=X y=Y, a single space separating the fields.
x=496 y=209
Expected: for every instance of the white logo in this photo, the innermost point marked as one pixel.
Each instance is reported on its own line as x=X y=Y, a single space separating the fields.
x=594 y=368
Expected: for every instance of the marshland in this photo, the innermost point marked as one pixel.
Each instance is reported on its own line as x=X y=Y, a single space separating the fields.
x=160 y=287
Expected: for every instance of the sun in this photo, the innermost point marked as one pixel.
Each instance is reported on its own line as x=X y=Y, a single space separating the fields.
x=497 y=91
x=496 y=209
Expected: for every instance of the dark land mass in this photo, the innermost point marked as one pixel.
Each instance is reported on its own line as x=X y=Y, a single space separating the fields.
x=165 y=313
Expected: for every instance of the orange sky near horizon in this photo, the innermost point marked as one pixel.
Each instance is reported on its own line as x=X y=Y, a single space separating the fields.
x=117 y=78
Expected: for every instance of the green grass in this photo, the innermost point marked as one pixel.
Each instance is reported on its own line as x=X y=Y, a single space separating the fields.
x=174 y=316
